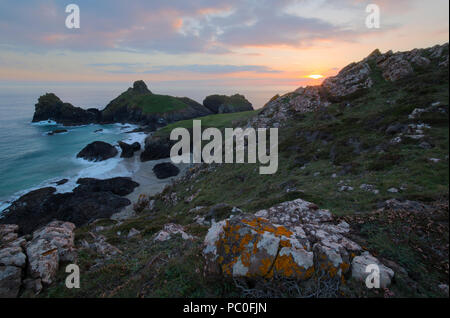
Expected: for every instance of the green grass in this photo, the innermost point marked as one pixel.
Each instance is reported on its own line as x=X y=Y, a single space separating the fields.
x=219 y=121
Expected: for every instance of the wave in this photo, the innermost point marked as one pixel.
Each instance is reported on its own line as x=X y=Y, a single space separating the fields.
x=114 y=167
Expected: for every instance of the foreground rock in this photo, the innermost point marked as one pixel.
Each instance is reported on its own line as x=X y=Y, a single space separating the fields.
x=98 y=151
x=32 y=262
x=165 y=170
x=129 y=150
x=220 y=104
x=92 y=199
x=294 y=239
x=50 y=245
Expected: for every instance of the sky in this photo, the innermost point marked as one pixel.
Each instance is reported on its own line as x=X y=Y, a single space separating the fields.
x=201 y=47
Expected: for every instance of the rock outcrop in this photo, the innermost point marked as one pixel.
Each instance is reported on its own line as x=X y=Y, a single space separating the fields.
x=92 y=199
x=49 y=106
x=352 y=81
x=220 y=104
x=294 y=239
x=98 y=151
x=129 y=150
x=165 y=170
x=31 y=262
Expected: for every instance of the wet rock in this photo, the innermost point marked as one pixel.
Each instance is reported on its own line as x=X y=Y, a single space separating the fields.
x=57 y=131
x=129 y=150
x=98 y=151
x=165 y=170
x=92 y=199
x=120 y=185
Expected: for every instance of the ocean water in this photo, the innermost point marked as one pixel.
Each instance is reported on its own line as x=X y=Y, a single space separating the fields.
x=31 y=159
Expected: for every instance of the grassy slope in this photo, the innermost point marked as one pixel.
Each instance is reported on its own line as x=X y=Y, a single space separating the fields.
x=174 y=268
x=151 y=103
x=219 y=121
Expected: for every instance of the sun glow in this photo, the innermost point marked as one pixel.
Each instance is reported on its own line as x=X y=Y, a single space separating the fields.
x=315 y=76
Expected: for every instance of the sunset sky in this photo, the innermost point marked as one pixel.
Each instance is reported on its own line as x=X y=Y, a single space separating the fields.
x=261 y=45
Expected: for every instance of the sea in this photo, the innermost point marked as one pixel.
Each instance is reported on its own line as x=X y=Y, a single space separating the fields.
x=31 y=159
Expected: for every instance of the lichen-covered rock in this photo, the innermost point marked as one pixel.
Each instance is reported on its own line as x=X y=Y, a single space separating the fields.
x=360 y=263
x=10 y=281
x=396 y=67
x=8 y=233
x=293 y=239
x=12 y=256
x=50 y=245
x=170 y=230
x=350 y=80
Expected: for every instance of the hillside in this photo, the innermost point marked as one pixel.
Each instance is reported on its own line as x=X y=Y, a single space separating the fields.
x=370 y=145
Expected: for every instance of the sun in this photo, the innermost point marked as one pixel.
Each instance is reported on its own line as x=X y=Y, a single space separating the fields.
x=315 y=76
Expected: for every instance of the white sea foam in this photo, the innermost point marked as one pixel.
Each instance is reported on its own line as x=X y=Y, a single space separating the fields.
x=114 y=167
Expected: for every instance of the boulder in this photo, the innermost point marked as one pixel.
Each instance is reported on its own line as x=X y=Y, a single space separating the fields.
x=128 y=150
x=121 y=186
x=10 y=281
x=98 y=151
x=165 y=170
x=12 y=256
x=294 y=239
x=57 y=131
x=50 y=245
x=156 y=148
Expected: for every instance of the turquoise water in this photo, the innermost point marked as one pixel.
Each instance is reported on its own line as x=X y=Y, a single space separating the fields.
x=29 y=158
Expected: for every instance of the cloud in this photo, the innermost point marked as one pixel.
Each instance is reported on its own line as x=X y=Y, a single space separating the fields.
x=142 y=68
x=202 y=26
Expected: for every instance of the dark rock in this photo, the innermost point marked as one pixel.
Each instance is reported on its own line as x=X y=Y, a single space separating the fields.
x=227 y=104
x=156 y=148
x=120 y=185
x=10 y=281
x=136 y=146
x=127 y=149
x=57 y=131
x=61 y=182
x=396 y=128
x=97 y=151
x=92 y=199
x=49 y=106
x=98 y=130
x=165 y=170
